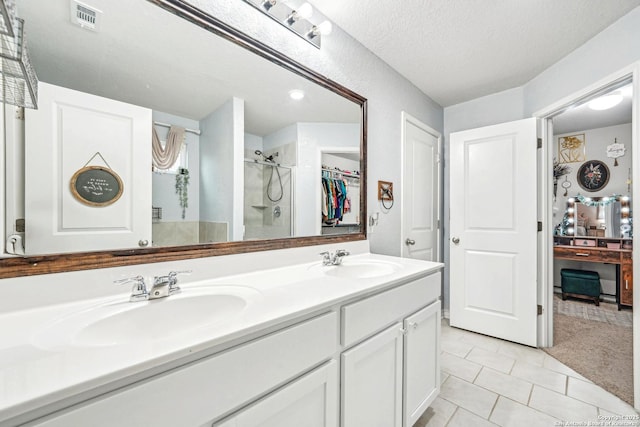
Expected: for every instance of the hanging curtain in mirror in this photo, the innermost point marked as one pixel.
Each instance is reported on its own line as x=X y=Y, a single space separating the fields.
x=164 y=158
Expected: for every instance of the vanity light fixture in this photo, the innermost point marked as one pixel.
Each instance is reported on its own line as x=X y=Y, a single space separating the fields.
x=296 y=94
x=294 y=18
x=605 y=102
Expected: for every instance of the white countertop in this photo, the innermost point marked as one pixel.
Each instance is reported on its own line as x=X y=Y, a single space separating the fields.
x=32 y=375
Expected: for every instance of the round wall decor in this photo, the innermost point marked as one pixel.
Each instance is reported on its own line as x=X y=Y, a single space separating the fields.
x=96 y=186
x=593 y=175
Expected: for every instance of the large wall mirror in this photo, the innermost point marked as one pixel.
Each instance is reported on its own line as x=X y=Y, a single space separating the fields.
x=248 y=162
x=603 y=217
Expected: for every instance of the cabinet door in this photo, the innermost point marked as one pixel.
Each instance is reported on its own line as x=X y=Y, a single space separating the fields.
x=372 y=381
x=311 y=401
x=421 y=362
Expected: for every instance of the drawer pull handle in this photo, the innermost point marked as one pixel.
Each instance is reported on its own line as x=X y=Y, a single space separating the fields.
x=581 y=254
x=626 y=284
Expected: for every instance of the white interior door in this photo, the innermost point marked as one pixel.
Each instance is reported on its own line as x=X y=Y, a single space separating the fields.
x=493 y=231
x=71 y=130
x=420 y=190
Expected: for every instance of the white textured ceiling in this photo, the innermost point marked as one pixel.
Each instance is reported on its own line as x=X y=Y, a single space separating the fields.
x=458 y=50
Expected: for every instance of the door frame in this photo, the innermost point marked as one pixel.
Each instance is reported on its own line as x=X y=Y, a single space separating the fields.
x=408 y=118
x=545 y=182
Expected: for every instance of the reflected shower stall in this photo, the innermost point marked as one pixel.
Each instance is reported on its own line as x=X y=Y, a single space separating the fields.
x=268 y=197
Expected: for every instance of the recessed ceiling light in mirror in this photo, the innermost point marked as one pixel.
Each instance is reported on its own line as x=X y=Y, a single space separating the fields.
x=605 y=102
x=296 y=94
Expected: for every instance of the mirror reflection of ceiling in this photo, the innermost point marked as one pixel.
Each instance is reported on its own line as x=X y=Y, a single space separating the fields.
x=582 y=117
x=147 y=56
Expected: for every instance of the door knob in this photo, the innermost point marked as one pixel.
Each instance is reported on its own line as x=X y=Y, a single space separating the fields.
x=455 y=240
x=143 y=243
x=410 y=241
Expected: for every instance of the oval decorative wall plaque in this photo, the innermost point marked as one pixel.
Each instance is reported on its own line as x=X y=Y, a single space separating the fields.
x=96 y=186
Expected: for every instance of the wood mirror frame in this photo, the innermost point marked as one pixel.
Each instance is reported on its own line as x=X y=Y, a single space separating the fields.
x=57 y=263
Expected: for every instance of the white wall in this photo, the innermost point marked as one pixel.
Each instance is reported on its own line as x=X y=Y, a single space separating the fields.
x=284 y=136
x=612 y=49
x=251 y=144
x=596 y=141
x=347 y=62
x=222 y=161
x=163 y=184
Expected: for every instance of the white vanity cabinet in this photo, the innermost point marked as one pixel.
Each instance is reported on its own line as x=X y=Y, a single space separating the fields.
x=390 y=378
x=369 y=360
x=203 y=391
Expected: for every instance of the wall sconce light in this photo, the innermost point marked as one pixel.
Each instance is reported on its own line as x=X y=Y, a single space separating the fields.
x=296 y=20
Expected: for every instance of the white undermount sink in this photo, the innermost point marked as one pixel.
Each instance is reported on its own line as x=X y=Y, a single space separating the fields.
x=118 y=321
x=359 y=269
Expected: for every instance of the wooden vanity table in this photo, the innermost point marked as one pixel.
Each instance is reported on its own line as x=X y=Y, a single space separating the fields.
x=580 y=249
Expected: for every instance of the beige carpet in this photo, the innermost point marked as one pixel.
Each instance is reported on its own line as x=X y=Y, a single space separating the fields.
x=599 y=351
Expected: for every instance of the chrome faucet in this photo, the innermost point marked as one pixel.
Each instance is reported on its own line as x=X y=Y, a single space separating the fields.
x=163 y=286
x=333 y=258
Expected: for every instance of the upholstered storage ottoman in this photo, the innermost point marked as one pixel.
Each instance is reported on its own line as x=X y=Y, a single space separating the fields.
x=580 y=284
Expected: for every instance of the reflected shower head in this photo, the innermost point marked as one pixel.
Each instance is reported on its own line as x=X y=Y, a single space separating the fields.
x=266 y=158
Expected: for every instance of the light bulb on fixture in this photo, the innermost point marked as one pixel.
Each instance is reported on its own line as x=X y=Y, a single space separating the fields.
x=324 y=28
x=303 y=12
x=605 y=102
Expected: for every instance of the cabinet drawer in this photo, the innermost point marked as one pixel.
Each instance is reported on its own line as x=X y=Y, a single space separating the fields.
x=207 y=389
x=584 y=254
x=372 y=314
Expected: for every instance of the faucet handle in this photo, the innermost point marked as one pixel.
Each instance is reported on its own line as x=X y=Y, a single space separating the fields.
x=139 y=289
x=173 y=280
x=176 y=273
x=339 y=254
x=326 y=257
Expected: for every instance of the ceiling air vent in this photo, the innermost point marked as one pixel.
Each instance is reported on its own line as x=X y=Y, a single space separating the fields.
x=85 y=16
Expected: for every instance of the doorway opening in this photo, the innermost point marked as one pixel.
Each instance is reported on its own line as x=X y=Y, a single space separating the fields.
x=588 y=245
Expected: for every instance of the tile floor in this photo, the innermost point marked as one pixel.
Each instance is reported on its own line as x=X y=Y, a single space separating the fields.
x=606 y=312
x=488 y=382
